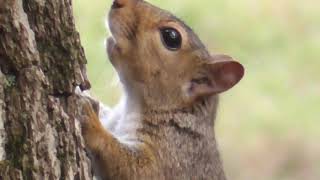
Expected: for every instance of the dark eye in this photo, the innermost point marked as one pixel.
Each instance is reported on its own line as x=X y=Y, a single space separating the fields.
x=171 y=38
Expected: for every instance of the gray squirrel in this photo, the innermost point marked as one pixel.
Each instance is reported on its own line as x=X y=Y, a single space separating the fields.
x=163 y=129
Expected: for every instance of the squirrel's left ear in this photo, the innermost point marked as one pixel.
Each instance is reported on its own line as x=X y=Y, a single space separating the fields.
x=219 y=74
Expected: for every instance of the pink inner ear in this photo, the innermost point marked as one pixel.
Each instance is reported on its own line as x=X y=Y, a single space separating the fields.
x=226 y=74
x=222 y=75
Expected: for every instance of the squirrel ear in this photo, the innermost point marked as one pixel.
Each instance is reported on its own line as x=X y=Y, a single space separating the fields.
x=221 y=74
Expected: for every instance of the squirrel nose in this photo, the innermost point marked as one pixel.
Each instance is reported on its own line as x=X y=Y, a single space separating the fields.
x=121 y=3
x=118 y=4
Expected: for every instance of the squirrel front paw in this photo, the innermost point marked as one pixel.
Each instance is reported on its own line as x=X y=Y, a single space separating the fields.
x=89 y=120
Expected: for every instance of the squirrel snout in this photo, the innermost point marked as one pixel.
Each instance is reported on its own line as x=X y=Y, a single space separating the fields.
x=122 y=3
x=117 y=4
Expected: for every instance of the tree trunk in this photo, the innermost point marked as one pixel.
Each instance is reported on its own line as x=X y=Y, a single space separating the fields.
x=41 y=63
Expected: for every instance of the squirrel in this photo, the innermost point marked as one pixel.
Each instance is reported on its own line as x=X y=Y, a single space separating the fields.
x=164 y=127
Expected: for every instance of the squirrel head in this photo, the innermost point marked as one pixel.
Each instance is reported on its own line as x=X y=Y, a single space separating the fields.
x=160 y=61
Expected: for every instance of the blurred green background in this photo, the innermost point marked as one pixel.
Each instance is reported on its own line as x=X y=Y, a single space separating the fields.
x=268 y=126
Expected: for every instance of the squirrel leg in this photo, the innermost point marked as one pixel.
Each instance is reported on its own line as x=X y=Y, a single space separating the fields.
x=116 y=160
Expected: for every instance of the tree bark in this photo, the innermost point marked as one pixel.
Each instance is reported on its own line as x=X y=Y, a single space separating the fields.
x=41 y=64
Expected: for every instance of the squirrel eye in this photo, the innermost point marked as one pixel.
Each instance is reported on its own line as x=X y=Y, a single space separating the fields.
x=171 y=38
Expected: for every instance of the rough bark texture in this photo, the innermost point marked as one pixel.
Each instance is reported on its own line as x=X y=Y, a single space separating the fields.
x=41 y=63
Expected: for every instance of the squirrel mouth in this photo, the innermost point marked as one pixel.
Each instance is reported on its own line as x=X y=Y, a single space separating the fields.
x=113 y=49
x=111 y=46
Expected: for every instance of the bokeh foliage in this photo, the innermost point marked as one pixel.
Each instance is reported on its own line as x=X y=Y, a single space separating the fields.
x=269 y=125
